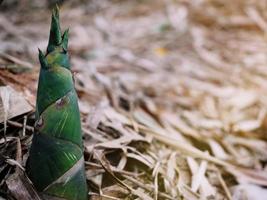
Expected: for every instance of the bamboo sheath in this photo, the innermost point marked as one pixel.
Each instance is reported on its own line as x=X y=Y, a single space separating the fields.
x=56 y=164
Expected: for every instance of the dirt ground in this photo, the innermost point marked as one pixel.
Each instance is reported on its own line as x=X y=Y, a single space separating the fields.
x=173 y=95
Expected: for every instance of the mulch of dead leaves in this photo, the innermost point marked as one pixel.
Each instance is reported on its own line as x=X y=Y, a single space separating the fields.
x=173 y=97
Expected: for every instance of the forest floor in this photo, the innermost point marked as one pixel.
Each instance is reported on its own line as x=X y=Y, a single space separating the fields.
x=173 y=95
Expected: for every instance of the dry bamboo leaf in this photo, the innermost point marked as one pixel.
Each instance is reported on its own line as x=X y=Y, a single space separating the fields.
x=178 y=17
x=95 y=115
x=141 y=194
x=209 y=107
x=94 y=134
x=15 y=60
x=217 y=150
x=155 y=174
x=178 y=123
x=123 y=161
x=21 y=188
x=253 y=144
x=224 y=186
x=12 y=104
x=170 y=179
x=199 y=121
x=198 y=178
x=149 y=121
x=249 y=175
x=255 y=16
x=249 y=191
x=7 y=139
x=119 y=143
x=242 y=99
x=110 y=113
x=141 y=159
x=250 y=125
x=188 y=194
x=5 y=99
x=113 y=192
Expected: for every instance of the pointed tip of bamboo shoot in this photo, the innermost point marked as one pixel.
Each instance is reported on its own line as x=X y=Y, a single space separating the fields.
x=65 y=39
x=42 y=59
x=55 y=32
x=55 y=11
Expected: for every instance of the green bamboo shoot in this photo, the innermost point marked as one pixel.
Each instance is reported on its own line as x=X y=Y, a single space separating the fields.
x=56 y=164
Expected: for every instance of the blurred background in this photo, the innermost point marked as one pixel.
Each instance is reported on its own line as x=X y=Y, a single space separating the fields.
x=195 y=70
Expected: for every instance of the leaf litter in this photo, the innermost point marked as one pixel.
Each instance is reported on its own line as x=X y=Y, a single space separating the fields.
x=172 y=96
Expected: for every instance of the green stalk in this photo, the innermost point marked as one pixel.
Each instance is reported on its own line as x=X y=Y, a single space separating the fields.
x=56 y=164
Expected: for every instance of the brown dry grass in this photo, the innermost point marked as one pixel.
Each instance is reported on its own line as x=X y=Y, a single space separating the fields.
x=172 y=94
